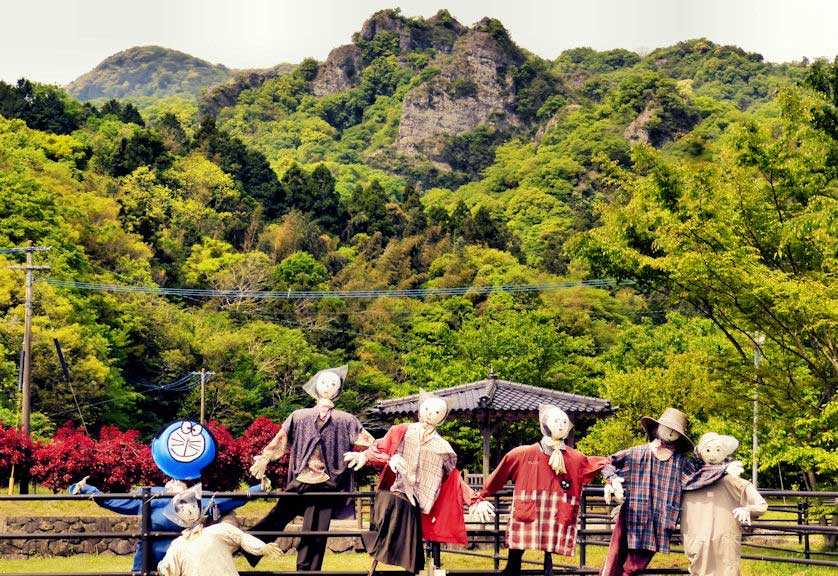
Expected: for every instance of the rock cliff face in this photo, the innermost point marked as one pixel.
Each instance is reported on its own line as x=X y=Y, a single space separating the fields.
x=339 y=72
x=342 y=68
x=472 y=89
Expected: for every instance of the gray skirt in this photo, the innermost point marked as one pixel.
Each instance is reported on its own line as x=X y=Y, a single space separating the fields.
x=397 y=537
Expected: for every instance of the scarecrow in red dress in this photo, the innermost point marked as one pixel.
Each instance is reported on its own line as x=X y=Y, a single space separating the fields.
x=548 y=477
x=420 y=493
x=656 y=475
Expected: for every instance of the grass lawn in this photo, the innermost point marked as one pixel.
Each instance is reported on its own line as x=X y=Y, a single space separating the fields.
x=350 y=561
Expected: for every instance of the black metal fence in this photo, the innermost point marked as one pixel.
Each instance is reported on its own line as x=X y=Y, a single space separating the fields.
x=786 y=539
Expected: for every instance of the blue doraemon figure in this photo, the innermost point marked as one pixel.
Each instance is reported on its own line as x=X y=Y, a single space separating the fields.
x=181 y=450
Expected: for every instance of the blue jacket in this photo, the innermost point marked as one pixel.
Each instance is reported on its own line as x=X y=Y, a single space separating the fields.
x=159 y=523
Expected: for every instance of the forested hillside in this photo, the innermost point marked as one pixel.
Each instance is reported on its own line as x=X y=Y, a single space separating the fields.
x=429 y=154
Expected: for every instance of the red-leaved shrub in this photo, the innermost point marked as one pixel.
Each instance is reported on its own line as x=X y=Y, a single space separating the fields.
x=15 y=449
x=226 y=472
x=69 y=457
x=254 y=439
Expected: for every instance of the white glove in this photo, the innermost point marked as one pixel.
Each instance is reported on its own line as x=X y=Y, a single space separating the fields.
x=355 y=460
x=265 y=484
x=78 y=486
x=397 y=464
x=615 y=488
x=742 y=515
x=735 y=468
x=272 y=550
x=483 y=511
x=260 y=464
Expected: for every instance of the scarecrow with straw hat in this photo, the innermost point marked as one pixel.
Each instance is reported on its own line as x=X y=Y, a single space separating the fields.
x=420 y=491
x=656 y=475
x=712 y=517
x=316 y=438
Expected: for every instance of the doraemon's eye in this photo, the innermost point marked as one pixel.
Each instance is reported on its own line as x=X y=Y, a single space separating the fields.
x=197 y=429
x=186 y=427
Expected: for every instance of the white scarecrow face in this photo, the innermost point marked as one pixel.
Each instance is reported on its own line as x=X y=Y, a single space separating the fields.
x=666 y=433
x=433 y=411
x=558 y=423
x=712 y=452
x=327 y=386
x=188 y=511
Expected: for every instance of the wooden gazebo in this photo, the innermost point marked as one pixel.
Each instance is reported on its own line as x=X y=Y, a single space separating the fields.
x=490 y=402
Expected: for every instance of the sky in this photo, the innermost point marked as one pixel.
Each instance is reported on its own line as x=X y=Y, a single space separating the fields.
x=55 y=41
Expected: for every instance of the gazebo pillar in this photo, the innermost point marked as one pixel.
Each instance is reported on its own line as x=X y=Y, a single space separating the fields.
x=486 y=431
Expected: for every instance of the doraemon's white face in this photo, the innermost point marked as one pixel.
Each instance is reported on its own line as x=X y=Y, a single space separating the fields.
x=666 y=433
x=433 y=411
x=327 y=386
x=712 y=452
x=557 y=423
x=187 y=443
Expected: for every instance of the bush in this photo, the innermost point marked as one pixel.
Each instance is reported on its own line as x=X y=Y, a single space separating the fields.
x=115 y=462
x=226 y=473
x=15 y=449
x=255 y=438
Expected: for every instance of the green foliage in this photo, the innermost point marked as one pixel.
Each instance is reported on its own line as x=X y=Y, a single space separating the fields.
x=41 y=106
x=147 y=71
x=473 y=151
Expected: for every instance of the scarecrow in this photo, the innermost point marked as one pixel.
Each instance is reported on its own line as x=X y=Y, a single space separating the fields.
x=712 y=517
x=548 y=477
x=203 y=550
x=420 y=493
x=317 y=439
x=181 y=450
x=656 y=475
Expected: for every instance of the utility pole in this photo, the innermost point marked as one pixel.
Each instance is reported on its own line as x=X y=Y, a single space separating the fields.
x=203 y=373
x=26 y=369
x=759 y=339
x=29 y=268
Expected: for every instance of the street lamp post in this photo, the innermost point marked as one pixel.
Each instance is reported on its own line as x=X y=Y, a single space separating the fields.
x=759 y=338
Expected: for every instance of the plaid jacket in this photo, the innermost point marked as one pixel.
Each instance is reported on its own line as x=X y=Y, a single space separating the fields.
x=653 y=492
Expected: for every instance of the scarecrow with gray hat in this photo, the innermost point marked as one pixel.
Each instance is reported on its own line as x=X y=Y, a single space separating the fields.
x=712 y=517
x=656 y=475
x=317 y=439
x=203 y=550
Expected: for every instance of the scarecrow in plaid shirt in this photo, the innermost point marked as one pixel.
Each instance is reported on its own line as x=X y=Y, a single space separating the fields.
x=548 y=477
x=656 y=474
x=420 y=493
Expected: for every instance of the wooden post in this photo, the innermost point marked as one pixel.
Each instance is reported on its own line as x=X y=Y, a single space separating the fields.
x=203 y=396
x=486 y=431
x=26 y=369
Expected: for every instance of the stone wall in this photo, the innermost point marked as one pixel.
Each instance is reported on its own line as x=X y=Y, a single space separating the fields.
x=21 y=548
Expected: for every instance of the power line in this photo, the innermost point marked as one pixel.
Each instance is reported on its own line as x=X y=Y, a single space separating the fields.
x=345 y=294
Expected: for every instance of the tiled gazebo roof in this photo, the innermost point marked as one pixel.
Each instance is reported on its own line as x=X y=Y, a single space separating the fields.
x=500 y=398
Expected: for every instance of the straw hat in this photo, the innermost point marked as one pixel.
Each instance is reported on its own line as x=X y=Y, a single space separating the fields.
x=671 y=418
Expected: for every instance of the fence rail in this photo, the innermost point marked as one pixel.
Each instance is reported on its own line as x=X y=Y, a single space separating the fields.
x=594 y=530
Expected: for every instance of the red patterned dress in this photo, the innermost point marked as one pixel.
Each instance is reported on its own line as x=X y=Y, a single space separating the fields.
x=545 y=505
